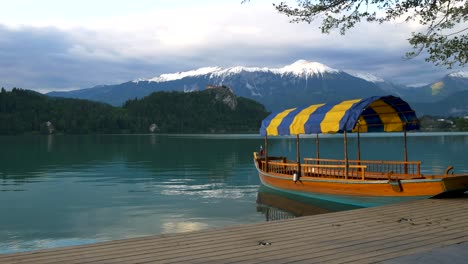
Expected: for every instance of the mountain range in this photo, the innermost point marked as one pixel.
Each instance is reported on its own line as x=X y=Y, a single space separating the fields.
x=300 y=83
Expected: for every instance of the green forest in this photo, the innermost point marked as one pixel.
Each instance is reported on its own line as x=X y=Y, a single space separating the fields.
x=215 y=110
x=451 y=124
x=24 y=111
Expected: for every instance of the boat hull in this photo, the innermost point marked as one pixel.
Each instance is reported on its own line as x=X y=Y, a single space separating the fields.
x=365 y=193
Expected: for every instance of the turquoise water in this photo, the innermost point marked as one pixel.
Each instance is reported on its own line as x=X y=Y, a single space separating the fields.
x=68 y=190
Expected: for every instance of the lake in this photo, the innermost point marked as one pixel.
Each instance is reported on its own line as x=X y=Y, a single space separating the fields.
x=64 y=190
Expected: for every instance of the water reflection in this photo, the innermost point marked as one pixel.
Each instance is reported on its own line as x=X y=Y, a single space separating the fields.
x=50 y=142
x=179 y=227
x=36 y=156
x=277 y=205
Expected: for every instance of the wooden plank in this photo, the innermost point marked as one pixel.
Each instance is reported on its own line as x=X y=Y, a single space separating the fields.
x=286 y=230
x=410 y=251
x=355 y=236
x=297 y=240
x=324 y=246
x=185 y=237
x=393 y=244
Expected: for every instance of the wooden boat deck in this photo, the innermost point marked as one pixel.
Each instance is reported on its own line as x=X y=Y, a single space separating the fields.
x=368 y=235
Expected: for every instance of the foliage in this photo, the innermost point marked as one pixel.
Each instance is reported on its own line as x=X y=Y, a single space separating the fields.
x=433 y=123
x=27 y=111
x=24 y=111
x=443 y=37
x=196 y=112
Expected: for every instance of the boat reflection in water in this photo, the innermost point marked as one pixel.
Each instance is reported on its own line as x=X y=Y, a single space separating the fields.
x=277 y=205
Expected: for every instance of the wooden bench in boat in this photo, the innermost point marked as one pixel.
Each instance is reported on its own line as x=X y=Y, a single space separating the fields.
x=379 y=169
x=357 y=169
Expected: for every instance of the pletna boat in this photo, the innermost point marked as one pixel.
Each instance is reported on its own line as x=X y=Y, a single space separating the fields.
x=358 y=182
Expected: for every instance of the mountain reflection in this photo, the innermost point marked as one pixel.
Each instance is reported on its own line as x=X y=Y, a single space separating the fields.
x=36 y=156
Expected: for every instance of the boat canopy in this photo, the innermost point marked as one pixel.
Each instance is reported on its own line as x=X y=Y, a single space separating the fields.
x=373 y=114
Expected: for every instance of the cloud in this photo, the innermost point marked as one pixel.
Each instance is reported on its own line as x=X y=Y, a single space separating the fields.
x=56 y=53
x=48 y=58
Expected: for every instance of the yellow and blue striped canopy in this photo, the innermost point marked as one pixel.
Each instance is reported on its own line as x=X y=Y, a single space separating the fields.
x=373 y=114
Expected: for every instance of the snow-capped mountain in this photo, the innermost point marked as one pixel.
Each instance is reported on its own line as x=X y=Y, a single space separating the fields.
x=365 y=76
x=437 y=90
x=300 y=68
x=300 y=83
x=180 y=75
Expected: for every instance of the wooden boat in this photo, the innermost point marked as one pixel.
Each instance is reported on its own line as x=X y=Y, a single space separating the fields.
x=358 y=182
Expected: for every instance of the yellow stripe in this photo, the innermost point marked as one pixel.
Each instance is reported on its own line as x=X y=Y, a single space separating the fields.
x=388 y=115
x=272 y=129
x=362 y=125
x=331 y=121
x=297 y=125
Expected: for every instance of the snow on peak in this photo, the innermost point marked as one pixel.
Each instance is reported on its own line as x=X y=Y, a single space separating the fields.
x=459 y=74
x=365 y=76
x=304 y=67
x=180 y=75
x=237 y=70
x=299 y=68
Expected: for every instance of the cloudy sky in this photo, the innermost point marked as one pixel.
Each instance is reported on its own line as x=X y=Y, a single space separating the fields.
x=62 y=45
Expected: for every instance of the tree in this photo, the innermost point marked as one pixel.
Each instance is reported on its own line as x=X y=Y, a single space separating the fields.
x=444 y=38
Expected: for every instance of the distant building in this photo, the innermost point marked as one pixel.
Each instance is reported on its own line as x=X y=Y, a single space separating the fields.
x=445 y=120
x=50 y=127
x=153 y=128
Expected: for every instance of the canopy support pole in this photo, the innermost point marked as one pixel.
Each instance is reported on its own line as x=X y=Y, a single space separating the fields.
x=317 y=148
x=266 y=153
x=358 y=144
x=405 y=149
x=346 y=154
x=298 y=156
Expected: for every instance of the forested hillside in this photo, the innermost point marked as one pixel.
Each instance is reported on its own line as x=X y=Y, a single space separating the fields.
x=24 y=111
x=209 y=111
x=214 y=111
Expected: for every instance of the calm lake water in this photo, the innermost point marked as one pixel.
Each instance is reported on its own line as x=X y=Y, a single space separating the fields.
x=68 y=190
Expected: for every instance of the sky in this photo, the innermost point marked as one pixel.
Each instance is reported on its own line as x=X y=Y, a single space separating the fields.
x=57 y=45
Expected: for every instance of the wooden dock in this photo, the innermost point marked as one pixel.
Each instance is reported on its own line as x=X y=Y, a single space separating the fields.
x=379 y=234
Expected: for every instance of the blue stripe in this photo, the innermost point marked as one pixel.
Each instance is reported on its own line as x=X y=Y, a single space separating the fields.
x=374 y=124
x=266 y=122
x=283 y=128
x=404 y=110
x=351 y=116
x=312 y=126
x=394 y=103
